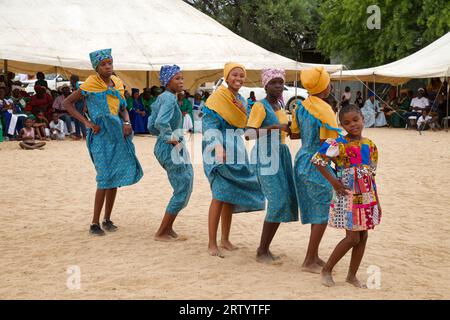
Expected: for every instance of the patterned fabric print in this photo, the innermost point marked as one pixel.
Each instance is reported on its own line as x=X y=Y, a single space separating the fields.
x=278 y=186
x=269 y=74
x=167 y=73
x=176 y=163
x=356 y=163
x=113 y=154
x=98 y=56
x=314 y=193
x=232 y=183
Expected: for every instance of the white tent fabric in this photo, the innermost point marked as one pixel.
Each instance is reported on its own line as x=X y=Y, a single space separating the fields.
x=429 y=62
x=57 y=36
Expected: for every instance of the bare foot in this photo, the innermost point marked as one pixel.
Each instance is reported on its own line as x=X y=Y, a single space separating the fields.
x=312 y=268
x=268 y=258
x=173 y=233
x=227 y=245
x=214 y=251
x=327 y=279
x=355 y=282
x=165 y=238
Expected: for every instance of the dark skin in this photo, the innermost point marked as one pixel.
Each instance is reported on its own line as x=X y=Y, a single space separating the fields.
x=219 y=210
x=353 y=123
x=105 y=71
x=165 y=231
x=312 y=262
x=274 y=90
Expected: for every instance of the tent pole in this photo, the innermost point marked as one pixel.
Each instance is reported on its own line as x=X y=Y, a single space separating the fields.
x=446 y=122
x=147 y=76
x=340 y=89
x=5 y=66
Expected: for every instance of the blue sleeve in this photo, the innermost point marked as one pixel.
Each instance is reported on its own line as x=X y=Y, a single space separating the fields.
x=211 y=127
x=162 y=122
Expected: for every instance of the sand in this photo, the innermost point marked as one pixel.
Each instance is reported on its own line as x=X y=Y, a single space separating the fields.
x=46 y=205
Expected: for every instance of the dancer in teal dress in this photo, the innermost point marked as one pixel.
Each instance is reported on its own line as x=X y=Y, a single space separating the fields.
x=170 y=150
x=109 y=136
x=269 y=123
x=234 y=185
x=314 y=121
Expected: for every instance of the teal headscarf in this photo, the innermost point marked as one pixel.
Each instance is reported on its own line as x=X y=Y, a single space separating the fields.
x=98 y=56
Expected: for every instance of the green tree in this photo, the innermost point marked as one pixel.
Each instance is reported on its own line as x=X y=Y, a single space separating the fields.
x=406 y=26
x=282 y=26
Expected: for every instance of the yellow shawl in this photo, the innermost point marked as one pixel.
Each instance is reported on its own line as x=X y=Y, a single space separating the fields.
x=95 y=84
x=323 y=112
x=226 y=104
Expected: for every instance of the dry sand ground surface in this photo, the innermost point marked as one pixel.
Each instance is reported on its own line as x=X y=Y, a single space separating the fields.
x=46 y=205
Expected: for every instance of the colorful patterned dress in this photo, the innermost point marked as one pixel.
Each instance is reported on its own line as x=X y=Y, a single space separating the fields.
x=167 y=119
x=356 y=163
x=276 y=176
x=233 y=183
x=113 y=154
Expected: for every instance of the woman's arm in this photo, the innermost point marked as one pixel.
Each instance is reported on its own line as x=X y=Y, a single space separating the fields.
x=254 y=133
x=127 y=130
x=69 y=105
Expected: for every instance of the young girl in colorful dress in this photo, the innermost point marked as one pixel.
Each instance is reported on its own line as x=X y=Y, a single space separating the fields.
x=268 y=122
x=314 y=121
x=355 y=206
x=234 y=185
x=109 y=136
x=170 y=150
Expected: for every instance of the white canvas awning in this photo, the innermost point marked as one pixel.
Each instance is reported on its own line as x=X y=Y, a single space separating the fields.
x=429 y=62
x=57 y=36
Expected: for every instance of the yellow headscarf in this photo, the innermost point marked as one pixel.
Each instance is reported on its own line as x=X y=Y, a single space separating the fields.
x=95 y=84
x=315 y=81
x=225 y=103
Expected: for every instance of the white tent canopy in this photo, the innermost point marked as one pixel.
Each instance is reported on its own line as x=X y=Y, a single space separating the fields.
x=429 y=62
x=57 y=36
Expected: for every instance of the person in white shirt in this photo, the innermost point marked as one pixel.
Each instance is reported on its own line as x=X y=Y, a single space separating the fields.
x=418 y=105
x=56 y=128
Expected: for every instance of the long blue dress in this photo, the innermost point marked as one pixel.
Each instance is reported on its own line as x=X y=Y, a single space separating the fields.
x=314 y=192
x=168 y=121
x=276 y=176
x=113 y=154
x=236 y=182
x=138 y=122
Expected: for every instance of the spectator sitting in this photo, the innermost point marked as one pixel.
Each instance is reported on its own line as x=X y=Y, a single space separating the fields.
x=58 y=108
x=205 y=96
x=27 y=135
x=41 y=126
x=346 y=97
x=425 y=120
x=418 y=104
x=41 y=80
x=198 y=106
x=373 y=115
x=41 y=102
x=359 y=100
x=57 y=128
x=251 y=100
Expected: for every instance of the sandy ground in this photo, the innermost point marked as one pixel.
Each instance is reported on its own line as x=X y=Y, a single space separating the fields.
x=47 y=199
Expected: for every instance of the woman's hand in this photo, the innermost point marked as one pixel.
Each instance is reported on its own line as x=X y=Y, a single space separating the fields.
x=95 y=128
x=127 y=130
x=340 y=188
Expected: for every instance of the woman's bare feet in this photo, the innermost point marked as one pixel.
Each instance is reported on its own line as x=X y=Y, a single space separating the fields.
x=227 y=245
x=268 y=258
x=320 y=262
x=215 y=252
x=355 y=282
x=165 y=238
x=311 y=267
x=327 y=279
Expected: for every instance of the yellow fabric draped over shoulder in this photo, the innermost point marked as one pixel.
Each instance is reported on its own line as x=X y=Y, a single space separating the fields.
x=322 y=111
x=225 y=103
x=95 y=84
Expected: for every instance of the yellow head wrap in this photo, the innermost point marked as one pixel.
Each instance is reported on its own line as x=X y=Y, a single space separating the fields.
x=230 y=66
x=315 y=80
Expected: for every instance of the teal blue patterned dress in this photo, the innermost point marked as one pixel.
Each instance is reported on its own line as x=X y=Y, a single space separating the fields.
x=113 y=154
x=168 y=121
x=276 y=177
x=236 y=182
x=314 y=192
